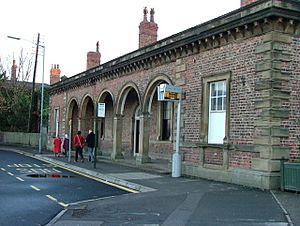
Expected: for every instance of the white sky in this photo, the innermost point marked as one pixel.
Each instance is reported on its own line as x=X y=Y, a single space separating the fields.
x=70 y=29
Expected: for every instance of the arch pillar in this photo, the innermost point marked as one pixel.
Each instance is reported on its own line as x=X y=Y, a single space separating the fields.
x=79 y=123
x=117 y=138
x=143 y=155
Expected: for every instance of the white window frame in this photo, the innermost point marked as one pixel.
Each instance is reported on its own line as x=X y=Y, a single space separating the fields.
x=206 y=104
x=217 y=112
x=56 y=121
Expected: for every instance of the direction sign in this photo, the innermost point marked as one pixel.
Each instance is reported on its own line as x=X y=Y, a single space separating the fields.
x=168 y=92
x=101 y=110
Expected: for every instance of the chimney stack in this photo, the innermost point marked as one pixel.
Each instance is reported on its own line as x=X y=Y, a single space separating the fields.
x=14 y=71
x=93 y=58
x=54 y=74
x=148 y=29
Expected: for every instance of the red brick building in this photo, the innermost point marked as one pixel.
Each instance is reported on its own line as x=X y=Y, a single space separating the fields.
x=240 y=74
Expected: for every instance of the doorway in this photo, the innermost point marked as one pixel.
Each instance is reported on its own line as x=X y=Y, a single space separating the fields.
x=136 y=133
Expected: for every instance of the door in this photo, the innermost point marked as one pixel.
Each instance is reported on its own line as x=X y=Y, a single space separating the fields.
x=217 y=112
x=136 y=136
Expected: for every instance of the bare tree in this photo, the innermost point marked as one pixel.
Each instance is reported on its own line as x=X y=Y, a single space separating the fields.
x=15 y=95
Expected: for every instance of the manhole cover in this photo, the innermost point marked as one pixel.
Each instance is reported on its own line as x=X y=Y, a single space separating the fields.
x=51 y=175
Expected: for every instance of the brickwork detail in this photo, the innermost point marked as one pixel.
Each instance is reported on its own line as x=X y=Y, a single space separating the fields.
x=242 y=160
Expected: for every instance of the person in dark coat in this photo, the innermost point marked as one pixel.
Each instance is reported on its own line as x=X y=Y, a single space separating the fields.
x=90 y=140
x=66 y=145
x=78 y=144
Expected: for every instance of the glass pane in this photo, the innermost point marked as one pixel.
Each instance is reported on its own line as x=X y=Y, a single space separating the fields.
x=213 y=90
x=219 y=106
x=220 y=89
x=224 y=88
x=213 y=104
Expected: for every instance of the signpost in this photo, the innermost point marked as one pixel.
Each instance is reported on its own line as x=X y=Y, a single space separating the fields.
x=166 y=92
x=70 y=140
x=100 y=114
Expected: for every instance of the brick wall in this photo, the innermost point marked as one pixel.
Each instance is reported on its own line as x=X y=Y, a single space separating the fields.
x=293 y=103
x=242 y=160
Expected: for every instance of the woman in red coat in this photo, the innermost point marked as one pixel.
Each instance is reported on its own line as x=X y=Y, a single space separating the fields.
x=57 y=146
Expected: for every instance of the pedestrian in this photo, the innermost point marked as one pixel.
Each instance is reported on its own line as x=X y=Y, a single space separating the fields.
x=78 y=144
x=66 y=145
x=90 y=140
x=57 y=146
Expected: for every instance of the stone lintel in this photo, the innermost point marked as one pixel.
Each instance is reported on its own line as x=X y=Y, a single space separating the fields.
x=268 y=103
x=272 y=152
x=274 y=131
x=277 y=37
x=277 y=55
x=275 y=93
x=275 y=113
x=267 y=140
x=180 y=68
x=265 y=165
x=268 y=64
x=267 y=121
x=275 y=75
x=268 y=84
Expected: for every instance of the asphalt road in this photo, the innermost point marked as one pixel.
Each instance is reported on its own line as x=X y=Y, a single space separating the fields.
x=33 y=192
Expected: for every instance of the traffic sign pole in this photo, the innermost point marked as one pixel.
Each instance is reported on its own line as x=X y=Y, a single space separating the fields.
x=176 y=163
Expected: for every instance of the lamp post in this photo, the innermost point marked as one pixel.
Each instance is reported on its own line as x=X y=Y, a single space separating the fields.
x=42 y=104
x=33 y=85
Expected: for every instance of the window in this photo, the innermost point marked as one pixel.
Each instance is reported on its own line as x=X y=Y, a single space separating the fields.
x=218 y=96
x=215 y=108
x=56 y=122
x=217 y=112
x=166 y=120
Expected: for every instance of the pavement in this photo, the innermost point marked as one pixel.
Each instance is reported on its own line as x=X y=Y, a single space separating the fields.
x=156 y=198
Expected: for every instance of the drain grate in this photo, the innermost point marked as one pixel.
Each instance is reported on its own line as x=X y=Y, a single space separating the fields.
x=49 y=175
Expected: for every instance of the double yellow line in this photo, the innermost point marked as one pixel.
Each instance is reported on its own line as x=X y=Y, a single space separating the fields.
x=94 y=178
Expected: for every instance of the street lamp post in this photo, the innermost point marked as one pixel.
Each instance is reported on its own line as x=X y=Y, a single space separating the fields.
x=42 y=104
x=33 y=85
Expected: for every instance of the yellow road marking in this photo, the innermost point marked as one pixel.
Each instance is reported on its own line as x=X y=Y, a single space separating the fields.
x=20 y=179
x=35 y=188
x=103 y=181
x=95 y=178
x=10 y=173
x=3 y=169
x=55 y=200
x=63 y=204
x=52 y=198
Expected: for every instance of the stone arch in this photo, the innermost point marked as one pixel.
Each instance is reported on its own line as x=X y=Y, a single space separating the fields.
x=119 y=108
x=105 y=125
x=128 y=99
x=104 y=94
x=157 y=119
x=73 y=115
x=87 y=113
x=151 y=89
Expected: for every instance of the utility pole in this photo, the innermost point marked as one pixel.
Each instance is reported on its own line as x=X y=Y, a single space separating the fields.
x=30 y=121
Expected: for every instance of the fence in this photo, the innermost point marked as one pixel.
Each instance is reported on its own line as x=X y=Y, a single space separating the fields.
x=290 y=176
